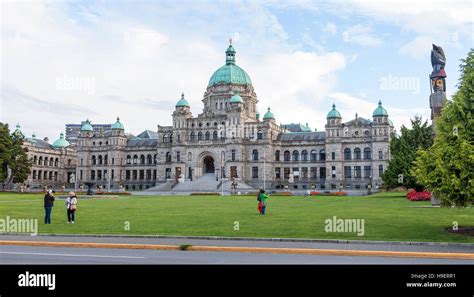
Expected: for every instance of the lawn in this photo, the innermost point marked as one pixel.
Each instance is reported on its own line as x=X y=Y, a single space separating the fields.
x=388 y=216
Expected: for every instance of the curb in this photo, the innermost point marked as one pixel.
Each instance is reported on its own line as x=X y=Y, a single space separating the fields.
x=324 y=252
x=307 y=240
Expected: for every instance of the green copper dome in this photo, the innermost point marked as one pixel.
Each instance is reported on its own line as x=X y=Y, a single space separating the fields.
x=257 y=114
x=268 y=115
x=61 y=142
x=182 y=102
x=230 y=73
x=236 y=98
x=380 y=111
x=87 y=126
x=334 y=114
x=117 y=124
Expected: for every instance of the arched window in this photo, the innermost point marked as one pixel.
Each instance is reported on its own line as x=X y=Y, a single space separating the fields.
x=51 y=162
x=35 y=160
x=40 y=160
x=322 y=155
x=99 y=160
x=129 y=159
x=200 y=136
x=296 y=156
x=214 y=135
x=168 y=157
x=259 y=134
x=304 y=155
x=367 y=153
x=191 y=136
x=135 y=159
x=255 y=155
x=56 y=162
x=208 y=135
x=357 y=153
x=142 y=159
x=347 y=154
x=166 y=138
x=286 y=156
x=68 y=162
x=94 y=160
x=106 y=159
x=149 y=159
x=277 y=155
x=45 y=161
x=314 y=155
x=190 y=157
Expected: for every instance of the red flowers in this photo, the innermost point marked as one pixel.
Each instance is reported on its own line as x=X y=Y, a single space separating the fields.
x=413 y=195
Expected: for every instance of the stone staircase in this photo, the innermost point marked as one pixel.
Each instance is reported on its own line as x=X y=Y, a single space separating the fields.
x=206 y=183
x=242 y=187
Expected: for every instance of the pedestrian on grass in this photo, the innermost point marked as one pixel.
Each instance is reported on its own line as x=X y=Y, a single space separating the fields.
x=71 y=207
x=263 y=198
x=48 y=206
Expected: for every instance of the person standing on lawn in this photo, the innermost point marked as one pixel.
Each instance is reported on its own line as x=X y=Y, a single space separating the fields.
x=71 y=207
x=263 y=198
x=48 y=206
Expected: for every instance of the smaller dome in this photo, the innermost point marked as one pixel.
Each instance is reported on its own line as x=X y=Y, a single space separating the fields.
x=236 y=98
x=257 y=114
x=87 y=126
x=117 y=124
x=268 y=115
x=61 y=142
x=334 y=114
x=182 y=102
x=380 y=111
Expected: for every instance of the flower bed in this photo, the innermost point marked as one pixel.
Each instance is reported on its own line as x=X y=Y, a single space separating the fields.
x=413 y=195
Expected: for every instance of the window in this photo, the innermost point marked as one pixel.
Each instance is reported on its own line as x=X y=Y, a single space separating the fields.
x=380 y=155
x=322 y=172
x=254 y=172
x=357 y=172
x=94 y=160
x=367 y=153
x=99 y=174
x=277 y=155
x=168 y=157
x=259 y=135
x=142 y=159
x=380 y=170
x=296 y=155
x=367 y=171
x=208 y=135
x=134 y=174
x=149 y=159
x=357 y=153
x=214 y=135
x=286 y=156
x=304 y=172
x=255 y=155
x=322 y=155
x=314 y=172
x=286 y=172
x=333 y=156
x=168 y=173
x=155 y=159
x=142 y=174
x=191 y=136
x=304 y=155
x=129 y=159
x=92 y=174
x=347 y=154
x=333 y=171
x=233 y=155
x=135 y=159
x=127 y=174
x=277 y=172
x=314 y=155
x=178 y=156
x=199 y=136
x=347 y=171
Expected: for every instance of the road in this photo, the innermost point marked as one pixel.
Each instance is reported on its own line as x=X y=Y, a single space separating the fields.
x=60 y=255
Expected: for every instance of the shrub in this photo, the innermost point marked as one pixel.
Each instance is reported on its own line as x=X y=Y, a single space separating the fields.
x=313 y=193
x=413 y=195
x=337 y=194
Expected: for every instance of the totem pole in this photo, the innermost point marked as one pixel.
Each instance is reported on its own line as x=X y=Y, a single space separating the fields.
x=438 y=82
x=438 y=91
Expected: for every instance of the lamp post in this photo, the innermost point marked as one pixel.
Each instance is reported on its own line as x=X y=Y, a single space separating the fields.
x=264 y=169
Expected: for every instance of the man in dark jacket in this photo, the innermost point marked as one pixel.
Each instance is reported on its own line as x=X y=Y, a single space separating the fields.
x=48 y=206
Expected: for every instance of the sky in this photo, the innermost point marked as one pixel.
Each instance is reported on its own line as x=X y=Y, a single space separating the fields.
x=66 y=61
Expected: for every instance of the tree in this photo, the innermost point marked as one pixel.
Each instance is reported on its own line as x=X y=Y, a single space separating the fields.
x=15 y=165
x=404 y=150
x=447 y=168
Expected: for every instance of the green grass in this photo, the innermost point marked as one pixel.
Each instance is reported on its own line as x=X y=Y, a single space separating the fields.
x=388 y=216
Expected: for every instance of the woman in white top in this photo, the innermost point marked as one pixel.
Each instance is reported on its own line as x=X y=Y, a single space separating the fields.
x=71 y=206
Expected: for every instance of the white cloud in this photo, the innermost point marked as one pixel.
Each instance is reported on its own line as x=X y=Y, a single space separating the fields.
x=330 y=28
x=418 y=47
x=361 y=35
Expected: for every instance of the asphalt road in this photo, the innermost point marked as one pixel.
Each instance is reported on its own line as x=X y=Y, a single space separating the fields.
x=60 y=255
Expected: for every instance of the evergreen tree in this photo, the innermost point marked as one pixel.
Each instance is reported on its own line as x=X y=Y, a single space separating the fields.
x=15 y=165
x=447 y=168
x=404 y=148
